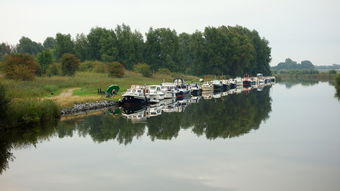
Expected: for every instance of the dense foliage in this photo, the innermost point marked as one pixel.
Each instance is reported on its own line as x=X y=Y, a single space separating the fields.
x=290 y=64
x=144 y=69
x=44 y=58
x=115 y=69
x=221 y=50
x=20 y=67
x=337 y=85
x=69 y=64
x=3 y=103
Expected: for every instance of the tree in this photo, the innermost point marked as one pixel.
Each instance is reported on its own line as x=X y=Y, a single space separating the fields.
x=5 y=49
x=161 y=49
x=69 y=64
x=332 y=72
x=44 y=59
x=82 y=47
x=130 y=46
x=20 y=67
x=53 y=69
x=49 y=43
x=63 y=44
x=142 y=68
x=289 y=64
x=28 y=46
x=115 y=69
x=102 y=44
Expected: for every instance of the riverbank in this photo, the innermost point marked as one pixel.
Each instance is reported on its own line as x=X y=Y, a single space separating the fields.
x=302 y=77
x=84 y=86
x=47 y=98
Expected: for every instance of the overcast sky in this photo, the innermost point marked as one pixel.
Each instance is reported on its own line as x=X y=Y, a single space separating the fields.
x=298 y=29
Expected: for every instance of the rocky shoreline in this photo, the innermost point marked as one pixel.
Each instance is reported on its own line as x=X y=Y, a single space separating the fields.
x=84 y=107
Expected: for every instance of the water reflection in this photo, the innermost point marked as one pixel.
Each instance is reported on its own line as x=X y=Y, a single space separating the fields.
x=220 y=115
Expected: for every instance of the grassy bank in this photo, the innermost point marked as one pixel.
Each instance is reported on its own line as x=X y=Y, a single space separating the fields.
x=39 y=101
x=322 y=76
x=86 y=83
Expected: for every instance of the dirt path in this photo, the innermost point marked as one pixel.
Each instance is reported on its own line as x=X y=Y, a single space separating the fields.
x=67 y=92
x=66 y=98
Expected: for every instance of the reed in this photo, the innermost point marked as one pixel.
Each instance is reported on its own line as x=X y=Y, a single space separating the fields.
x=30 y=112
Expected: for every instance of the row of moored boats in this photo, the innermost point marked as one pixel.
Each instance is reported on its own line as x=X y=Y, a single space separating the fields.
x=150 y=94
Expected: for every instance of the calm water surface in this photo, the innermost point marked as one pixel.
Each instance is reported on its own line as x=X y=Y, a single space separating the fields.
x=282 y=138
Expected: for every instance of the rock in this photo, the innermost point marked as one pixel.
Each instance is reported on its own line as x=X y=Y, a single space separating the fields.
x=83 y=107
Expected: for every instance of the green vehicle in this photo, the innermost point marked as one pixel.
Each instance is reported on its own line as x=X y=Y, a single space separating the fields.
x=112 y=90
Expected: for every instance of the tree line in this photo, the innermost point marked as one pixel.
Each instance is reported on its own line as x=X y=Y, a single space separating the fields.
x=224 y=50
x=290 y=64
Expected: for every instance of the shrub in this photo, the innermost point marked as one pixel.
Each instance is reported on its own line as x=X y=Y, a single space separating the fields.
x=115 y=69
x=337 y=85
x=332 y=72
x=44 y=59
x=164 y=71
x=86 y=66
x=144 y=69
x=20 y=67
x=31 y=112
x=3 y=103
x=69 y=64
x=53 y=69
x=99 y=67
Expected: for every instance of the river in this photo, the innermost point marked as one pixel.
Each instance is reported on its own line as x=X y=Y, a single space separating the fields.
x=285 y=137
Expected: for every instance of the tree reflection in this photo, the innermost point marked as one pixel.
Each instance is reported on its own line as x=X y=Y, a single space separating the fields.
x=21 y=137
x=226 y=117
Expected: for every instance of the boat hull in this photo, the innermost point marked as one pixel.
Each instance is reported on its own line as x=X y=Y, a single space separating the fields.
x=196 y=92
x=183 y=94
x=132 y=101
x=246 y=83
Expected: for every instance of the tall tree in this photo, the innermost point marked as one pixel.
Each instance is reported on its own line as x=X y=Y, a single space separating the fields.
x=28 y=46
x=161 y=49
x=44 y=58
x=82 y=47
x=130 y=46
x=63 y=44
x=5 y=49
x=49 y=43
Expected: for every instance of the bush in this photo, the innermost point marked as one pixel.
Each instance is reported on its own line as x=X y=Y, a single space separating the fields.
x=99 y=67
x=20 y=67
x=31 y=112
x=332 y=72
x=3 y=103
x=53 y=69
x=115 y=69
x=69 y=64
x=144 y=69
x=164 y=71
x=86 y=66
x=44 y=59
x=337 y=85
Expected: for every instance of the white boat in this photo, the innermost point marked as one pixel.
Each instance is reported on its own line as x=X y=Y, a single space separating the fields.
x=218 y=86
x=134 y=96
x=155 y=93
x=207 y=86
x=195 y=89
x=169 y=89
x=238 y=81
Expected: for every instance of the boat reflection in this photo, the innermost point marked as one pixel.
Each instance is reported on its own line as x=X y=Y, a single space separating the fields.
x=143 y=112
